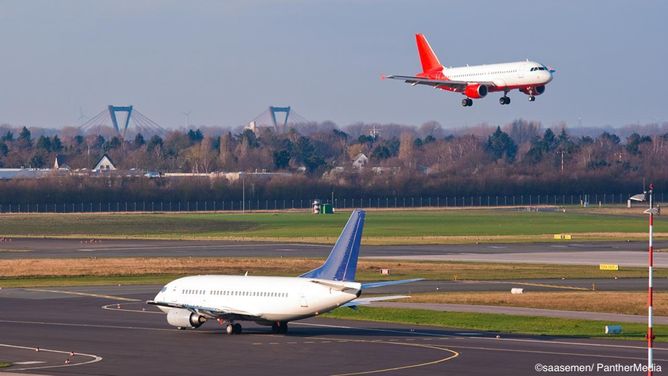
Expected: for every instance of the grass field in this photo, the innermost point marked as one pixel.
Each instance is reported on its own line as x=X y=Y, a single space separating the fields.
x=625 y=302
x=500 y=323
x=382 y=227
x=158 y=270
x=5 y=364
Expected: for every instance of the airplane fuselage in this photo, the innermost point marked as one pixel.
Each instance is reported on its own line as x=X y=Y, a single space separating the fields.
x=268 y=299
x=505 y=76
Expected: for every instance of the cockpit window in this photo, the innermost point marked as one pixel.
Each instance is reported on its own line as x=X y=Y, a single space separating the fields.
x=163 y=289
x=538 y=68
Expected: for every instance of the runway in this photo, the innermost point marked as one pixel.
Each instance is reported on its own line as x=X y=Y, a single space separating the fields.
x=126 y=340
x=586 y=253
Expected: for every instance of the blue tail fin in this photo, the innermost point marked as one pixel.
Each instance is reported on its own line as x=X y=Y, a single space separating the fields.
x=342 y=261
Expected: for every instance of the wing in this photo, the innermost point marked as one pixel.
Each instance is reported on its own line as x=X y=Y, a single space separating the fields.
x=365 y=301
x=452 y=84
x=373 y=285
x=210 y=312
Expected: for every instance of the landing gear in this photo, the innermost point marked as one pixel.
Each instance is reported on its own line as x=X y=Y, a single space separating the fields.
x=279 y=327
x=233 y=329
x=531 y=98
x=504 y=100
x=467 y=102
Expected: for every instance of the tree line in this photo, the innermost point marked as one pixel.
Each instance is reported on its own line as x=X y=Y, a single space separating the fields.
x=521 y=157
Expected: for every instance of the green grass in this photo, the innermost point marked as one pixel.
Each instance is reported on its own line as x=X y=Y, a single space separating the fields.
x=509 y=324
x=384 y=226
x=5 y=364
x=57 y=281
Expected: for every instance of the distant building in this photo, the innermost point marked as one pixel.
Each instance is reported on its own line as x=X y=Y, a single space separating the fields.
x=59 y=163
x=360 y=161
x=104 y=164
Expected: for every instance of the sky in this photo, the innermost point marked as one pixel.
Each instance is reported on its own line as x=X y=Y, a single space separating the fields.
x=225 y=62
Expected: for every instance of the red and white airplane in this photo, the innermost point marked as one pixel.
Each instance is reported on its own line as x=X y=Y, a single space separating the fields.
x=476 y=81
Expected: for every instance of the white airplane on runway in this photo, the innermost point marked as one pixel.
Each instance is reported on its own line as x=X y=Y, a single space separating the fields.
x=191 y=301
x=476 y=81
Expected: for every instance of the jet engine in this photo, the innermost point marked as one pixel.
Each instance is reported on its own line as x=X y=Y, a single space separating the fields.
x=476 y=91
x=183 y=318
x=536 y=90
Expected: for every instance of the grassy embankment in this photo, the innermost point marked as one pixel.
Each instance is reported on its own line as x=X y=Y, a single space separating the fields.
x=382 y=227
x=158 y=270
x=625 y=302
x=498 y=323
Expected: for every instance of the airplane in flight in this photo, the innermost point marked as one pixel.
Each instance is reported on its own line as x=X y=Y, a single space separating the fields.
x=476 y=81
x=273 y=301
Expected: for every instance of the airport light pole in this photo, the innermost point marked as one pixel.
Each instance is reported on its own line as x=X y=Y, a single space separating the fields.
x=648 y=196
x=650 y=292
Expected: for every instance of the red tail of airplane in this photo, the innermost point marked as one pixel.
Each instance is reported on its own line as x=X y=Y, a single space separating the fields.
x=430 y=63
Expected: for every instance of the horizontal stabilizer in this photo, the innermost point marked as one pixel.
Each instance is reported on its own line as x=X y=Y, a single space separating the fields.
x=338 y=285
x=373 y=285
x=366 y=301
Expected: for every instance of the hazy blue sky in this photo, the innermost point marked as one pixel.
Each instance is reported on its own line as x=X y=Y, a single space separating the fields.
x=226 y=61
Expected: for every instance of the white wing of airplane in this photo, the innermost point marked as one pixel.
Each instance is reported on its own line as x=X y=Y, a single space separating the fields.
x=456 y=85
x=209 y=312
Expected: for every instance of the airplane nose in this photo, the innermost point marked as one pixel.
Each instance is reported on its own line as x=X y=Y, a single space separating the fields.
x=548 y=76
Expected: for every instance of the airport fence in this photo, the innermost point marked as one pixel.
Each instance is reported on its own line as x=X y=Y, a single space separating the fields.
x=529 y=200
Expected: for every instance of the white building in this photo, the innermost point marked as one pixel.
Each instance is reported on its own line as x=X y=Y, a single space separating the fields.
x=360 y=161
x=104 y=164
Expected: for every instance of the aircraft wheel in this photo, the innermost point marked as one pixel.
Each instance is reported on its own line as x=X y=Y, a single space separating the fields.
x=275 y=328
x=283 y=327
x=465 y=102
x=236 y=328
x=229 y=329
x=532 y=98
x=507 y=100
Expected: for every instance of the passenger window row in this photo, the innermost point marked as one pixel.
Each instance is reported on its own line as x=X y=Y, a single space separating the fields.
x=236 y=293
x=479 y=74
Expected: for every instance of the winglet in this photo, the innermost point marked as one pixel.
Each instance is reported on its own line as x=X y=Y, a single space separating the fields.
x=341 y=264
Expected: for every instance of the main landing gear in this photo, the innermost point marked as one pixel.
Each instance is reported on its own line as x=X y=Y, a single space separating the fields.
x=279 y=327
x=232 y=328
x=467 y=102
x=504 y=100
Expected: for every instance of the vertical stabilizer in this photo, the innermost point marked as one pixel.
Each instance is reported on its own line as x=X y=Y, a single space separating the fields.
x=342 y=261
x=428 y=58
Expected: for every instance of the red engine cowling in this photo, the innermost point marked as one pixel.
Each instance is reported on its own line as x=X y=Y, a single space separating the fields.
x=476 y=91
x=535 y=90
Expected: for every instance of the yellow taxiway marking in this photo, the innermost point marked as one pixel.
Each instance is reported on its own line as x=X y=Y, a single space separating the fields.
x=95 y=358
x=112 y=297
x=453 y=355
x=551 y=352
x=117 y=307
